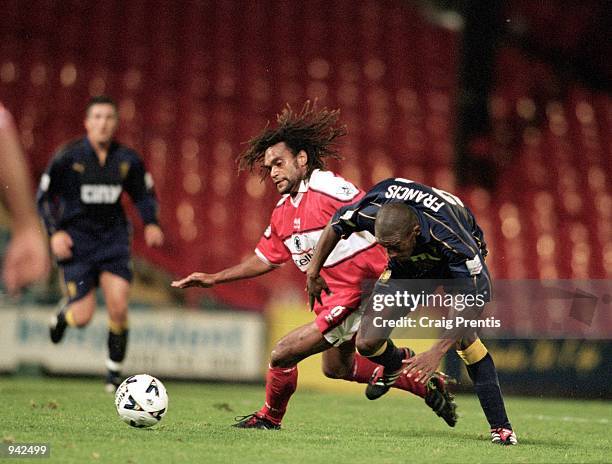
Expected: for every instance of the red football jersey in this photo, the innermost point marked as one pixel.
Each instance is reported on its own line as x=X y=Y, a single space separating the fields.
x=295 y=228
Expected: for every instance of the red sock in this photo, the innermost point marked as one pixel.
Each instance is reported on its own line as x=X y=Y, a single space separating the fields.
x=281 y=382
x=404 y=382
x=363 y=369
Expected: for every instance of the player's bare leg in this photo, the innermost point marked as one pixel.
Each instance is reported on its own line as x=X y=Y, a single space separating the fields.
x=116 y=295
x=382 y=351
x=281 y=379
x=391 y=374
x=342 y=362
x=338 y=362
x=297 y=345
x=75 y=314
x=481 y=370
x=375 y=344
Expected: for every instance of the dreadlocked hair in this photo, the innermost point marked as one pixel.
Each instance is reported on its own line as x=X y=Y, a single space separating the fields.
x=310 y=130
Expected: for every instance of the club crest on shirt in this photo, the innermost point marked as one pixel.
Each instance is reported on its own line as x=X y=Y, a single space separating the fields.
x=124 y=168
x=296 y=223
x=297 y=242
x=385 y=276
x=78 y=167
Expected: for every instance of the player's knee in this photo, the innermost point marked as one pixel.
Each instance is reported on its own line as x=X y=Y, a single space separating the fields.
x=81 y=320
x=367 y=347
x=119 y=317
x=117 y=304
x=117 y=311
x=282 y=355
x=80 y=312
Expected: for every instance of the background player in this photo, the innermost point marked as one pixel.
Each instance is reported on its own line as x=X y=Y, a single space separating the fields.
x=428 y=234
x=293 y=155
x=79 y=199
x=26 y=259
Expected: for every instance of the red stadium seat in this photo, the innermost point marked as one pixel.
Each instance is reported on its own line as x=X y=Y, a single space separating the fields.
x=194 y=83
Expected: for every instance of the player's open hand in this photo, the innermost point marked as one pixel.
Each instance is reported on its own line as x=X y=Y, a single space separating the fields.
x=314 y=286
x=197 y=279
x=61 y=245
x=422 y=366
x=26 y=261
x=154 y=237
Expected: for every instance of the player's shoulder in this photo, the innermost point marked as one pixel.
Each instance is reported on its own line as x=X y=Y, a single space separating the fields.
x=332 y=185
x=69 y=151
x=383 y=184
x=127 y=153
x=390 y=187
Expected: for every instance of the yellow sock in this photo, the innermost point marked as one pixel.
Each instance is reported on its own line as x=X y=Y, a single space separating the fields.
x=473 y=353
x=117 y=328
x=69 y=316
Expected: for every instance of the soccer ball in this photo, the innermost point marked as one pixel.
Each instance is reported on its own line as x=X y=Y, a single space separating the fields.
x=141 y=400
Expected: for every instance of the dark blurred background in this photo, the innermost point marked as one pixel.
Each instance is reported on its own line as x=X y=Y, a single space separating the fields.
x=506 y=104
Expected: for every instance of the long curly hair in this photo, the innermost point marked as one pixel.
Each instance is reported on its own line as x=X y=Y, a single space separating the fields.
x=312 y=130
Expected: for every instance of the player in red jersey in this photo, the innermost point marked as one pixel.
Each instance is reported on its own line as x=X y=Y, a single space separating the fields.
x=293 y=155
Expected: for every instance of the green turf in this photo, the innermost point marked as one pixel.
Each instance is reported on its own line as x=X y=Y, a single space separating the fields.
x=80 y=422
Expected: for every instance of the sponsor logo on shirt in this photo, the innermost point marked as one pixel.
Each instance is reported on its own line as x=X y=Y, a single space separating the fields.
x=302 y=260
x=100 y=194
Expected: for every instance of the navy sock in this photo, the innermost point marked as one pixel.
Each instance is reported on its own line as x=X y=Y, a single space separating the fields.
x=391 y=358
x=117 y=345
x=486 y=385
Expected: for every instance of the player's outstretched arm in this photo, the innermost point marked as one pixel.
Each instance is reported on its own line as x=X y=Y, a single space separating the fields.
x=26 y=257
x=251 y=267
x=315 y=284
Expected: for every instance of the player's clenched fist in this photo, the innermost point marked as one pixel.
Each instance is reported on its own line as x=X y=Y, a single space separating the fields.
x=197 y=279
x=61 y=245
x=154 y=237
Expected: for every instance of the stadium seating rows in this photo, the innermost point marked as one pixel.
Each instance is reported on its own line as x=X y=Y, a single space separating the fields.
x=194 y=83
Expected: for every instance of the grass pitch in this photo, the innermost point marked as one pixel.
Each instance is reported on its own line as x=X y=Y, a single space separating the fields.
x=79 y=421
